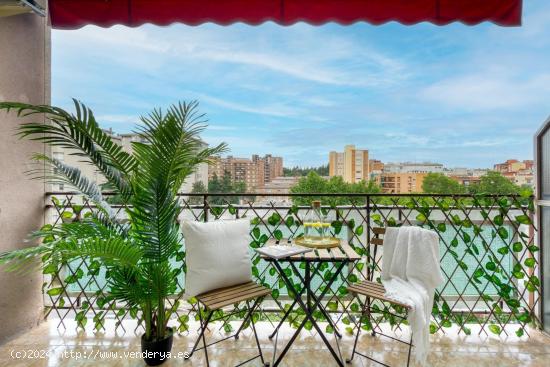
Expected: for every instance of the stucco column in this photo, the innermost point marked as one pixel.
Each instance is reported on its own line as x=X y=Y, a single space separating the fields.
x=24 y=77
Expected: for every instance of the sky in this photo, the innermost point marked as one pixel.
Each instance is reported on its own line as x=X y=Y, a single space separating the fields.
x=458 y=95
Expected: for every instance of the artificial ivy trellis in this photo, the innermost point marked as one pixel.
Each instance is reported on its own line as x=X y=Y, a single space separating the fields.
x=472 y=247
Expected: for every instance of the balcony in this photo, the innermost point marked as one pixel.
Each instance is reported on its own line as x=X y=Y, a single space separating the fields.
x=487 y=311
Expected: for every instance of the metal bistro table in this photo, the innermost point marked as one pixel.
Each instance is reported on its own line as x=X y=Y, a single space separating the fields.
x=314 y=259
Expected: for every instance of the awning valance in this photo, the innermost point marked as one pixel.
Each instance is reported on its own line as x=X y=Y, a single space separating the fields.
x=71 y=14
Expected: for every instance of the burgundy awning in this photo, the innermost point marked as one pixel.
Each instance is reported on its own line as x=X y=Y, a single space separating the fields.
x=70 y=14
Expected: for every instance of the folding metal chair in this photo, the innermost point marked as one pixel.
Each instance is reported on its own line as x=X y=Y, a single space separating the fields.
x=215 y=300
x=375 y=290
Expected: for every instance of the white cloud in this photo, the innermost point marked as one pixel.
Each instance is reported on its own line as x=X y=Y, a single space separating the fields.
x=489 y=91
x=329 y=64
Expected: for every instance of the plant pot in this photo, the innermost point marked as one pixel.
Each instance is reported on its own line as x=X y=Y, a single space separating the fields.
x=155 y=351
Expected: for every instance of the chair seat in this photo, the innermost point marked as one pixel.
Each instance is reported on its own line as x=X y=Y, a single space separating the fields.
x=226 y=296
x=373 y=290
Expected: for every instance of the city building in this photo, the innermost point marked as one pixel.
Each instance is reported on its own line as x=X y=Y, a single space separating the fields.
x=124 y=140
x=519 y=172
x=376 y=168
x=466 y=176
x=400 y=182
x=280 y=186
x=513 y=165
x=273 y=166
x=413 y=167
x=352 y=164
x=254 y=172
x=405 y=177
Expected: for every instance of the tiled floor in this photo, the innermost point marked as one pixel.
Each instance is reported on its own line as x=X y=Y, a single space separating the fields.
x=56 y=347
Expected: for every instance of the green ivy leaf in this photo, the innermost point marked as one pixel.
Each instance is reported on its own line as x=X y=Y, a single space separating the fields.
x=503 y=250
x=498 y=220
x=503 y=233
x=359 y=230
x=523 y=219
x=517 y=246
x=256 y=232
x=274 y=219
x=227 y=328
x=352 y=278
x=337 y=225
x=478 y=273
x=50 y=269
x=278 y=234
x=530 y=262
x=518 y=274
x=441 y=227
x=495 y=329
x=289 y=221
x=55 y=291
x=490 y=266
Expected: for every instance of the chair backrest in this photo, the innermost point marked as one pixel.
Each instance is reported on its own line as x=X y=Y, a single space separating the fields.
x=376 y=240
x=378 y=232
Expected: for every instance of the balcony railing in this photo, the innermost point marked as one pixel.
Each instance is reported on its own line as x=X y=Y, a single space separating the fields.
x=488 y=257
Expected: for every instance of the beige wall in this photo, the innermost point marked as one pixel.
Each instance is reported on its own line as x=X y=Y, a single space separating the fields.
x=24 y=76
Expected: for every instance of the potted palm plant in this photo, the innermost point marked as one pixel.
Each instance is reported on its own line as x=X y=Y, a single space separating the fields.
x=135 y=252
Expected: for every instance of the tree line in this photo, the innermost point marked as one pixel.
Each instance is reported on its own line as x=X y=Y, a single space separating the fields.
x=218 y=185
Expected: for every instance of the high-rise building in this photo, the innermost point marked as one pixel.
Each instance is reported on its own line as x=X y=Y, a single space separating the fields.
x=273 y=166
x=352 y=164
x=254 y=172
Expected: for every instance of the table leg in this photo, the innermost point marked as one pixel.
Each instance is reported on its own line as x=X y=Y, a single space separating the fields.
x=287 y=313
x=311 y=295
x=308 y=311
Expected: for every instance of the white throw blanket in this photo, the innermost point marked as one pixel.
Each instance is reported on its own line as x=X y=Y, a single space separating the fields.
x=410 y=274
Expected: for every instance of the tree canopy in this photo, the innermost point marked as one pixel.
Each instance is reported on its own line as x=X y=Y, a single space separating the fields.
x=303 y=171
x=313 y=183
x=495 y=183
x=225 y=185
x=438 y=183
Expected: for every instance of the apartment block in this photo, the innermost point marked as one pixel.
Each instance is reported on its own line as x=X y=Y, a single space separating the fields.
x=519 y=172
x=124 y=140
x=401 y=183
x=273 y=166
x=352 y=164
x=413 y=167
x=466 y=176
x=255 y=172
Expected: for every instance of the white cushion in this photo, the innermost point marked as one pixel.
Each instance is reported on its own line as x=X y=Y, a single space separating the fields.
x=217 y=254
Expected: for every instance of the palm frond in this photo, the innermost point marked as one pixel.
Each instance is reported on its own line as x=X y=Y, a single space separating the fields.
x=114 y=251
x=24 y=260
x=128 y=285
x=81 y=135
x=172 y=143
x=59 y=172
